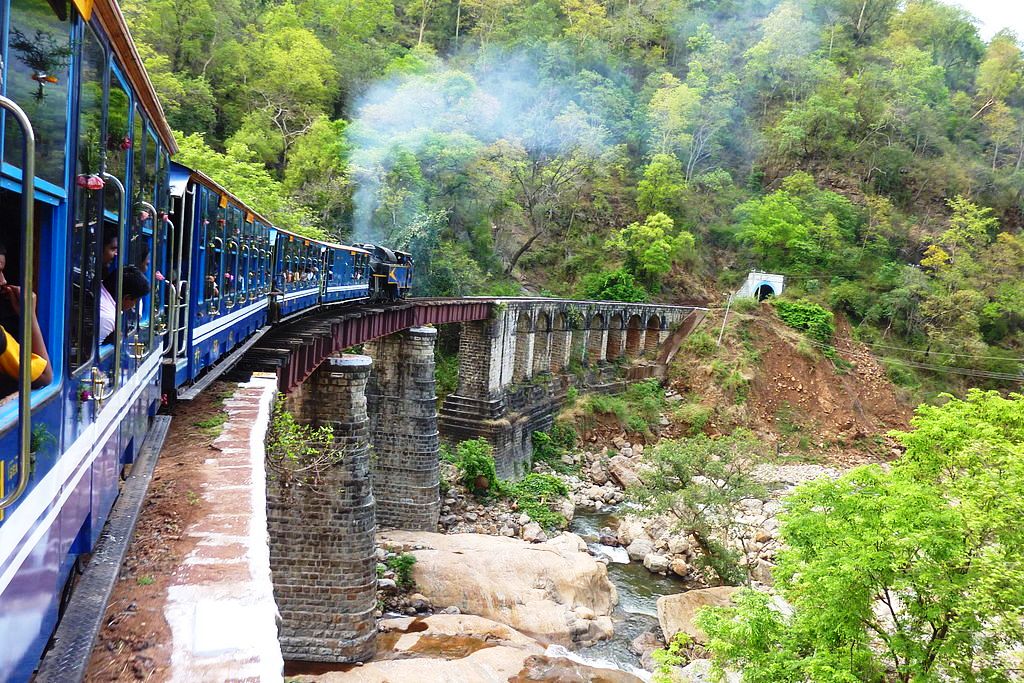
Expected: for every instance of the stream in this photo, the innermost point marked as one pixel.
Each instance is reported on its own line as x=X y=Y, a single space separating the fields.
x=638 y=590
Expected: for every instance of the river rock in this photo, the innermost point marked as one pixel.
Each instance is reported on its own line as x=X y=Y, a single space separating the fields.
x=656 y=563
x=680 y=567
x=535 y=588
x=676 y=612
x=598 y=474
x=621 y=470
x=533 y=533
x=640 y=549
x=387 y=585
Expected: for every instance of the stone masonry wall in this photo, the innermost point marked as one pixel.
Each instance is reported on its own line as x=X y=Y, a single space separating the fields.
x=322 y=537
x=402 y=404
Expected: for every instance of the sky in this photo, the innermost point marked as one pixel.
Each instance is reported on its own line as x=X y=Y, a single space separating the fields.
x=994 y=15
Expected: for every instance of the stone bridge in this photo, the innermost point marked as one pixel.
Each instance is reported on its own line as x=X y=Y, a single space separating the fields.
x=517 y=359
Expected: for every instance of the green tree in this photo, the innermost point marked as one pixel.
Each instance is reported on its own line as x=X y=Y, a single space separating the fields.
x=700 y=483
x=910 y=574
x=662 y=187
x=652 y=247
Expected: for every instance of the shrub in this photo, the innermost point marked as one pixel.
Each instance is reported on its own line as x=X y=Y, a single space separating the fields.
x=675 y=654
x=700 y=344
x=299 y=454
x=817 y=322
x=537 y=494
x=402 y=566
x=564 y=435
x=474 y=458
x=617 y=285
x=446 y=374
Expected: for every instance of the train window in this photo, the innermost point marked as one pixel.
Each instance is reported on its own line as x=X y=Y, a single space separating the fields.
x=231 y=289
x=118 y=139
x=87 y=204
x=39 y=53
x=214 y=246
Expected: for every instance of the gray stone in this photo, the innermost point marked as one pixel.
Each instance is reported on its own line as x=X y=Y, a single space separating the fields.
x=639 y=549
x=656 y=563
x=387 y=585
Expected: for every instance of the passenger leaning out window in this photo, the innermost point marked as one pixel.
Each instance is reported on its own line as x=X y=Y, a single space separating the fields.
x=135 y=287
x=10 y=342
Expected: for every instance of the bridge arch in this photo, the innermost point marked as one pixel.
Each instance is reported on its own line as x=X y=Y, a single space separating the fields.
x=524 y=348
x=561 y=342
x=542 y=343
x=614 y=348
x=595 y=340
x=634 y=336
x=652 y=333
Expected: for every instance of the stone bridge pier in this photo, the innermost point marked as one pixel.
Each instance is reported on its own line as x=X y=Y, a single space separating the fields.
x=515 y=366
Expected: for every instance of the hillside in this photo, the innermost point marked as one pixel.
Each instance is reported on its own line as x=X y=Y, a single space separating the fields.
x=870 y=150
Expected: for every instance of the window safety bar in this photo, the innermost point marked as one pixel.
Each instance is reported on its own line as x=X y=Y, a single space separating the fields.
x=28 y=236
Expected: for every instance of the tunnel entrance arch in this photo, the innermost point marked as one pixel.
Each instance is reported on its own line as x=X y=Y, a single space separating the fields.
x=763 y=291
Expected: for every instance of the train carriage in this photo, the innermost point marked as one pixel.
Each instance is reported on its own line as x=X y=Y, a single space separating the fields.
x=221 y=257
x=95 y=177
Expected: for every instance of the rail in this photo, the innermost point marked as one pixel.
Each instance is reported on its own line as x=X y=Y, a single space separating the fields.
x=28 y=238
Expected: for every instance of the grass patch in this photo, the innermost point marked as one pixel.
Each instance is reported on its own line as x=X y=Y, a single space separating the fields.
x=694 y=415
x=212 y=426
x=636 y=409
x=145 y=580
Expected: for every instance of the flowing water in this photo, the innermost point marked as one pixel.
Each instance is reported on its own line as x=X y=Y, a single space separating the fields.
x=638 y=590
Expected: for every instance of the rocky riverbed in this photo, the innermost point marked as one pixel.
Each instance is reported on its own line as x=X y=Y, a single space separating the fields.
x=599 y=597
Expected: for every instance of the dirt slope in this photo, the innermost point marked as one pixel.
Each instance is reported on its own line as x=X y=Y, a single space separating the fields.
x=769 y=378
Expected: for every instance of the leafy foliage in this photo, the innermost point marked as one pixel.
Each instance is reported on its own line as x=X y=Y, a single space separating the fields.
x=299 y=454
x=912 y=571
x=402 y=565
x=807 y=317
x=537 y=494
x=474 y=459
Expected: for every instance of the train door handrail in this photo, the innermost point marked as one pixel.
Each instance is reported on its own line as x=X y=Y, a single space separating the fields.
x=28 y=237
x=122 y=239
x=153 y=285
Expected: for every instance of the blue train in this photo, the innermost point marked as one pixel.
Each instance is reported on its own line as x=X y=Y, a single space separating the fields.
x=147 y=278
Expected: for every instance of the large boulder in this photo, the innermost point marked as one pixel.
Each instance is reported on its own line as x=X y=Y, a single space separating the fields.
x=621 y=469
x=676 y=612
x=553 y=590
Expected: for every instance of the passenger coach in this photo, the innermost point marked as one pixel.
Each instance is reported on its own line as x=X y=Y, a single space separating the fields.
x=83 y=195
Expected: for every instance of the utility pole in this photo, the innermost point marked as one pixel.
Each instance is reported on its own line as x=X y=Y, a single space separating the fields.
x=724 y=319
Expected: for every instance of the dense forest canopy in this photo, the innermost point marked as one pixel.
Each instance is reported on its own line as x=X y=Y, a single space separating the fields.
x=872 y=150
